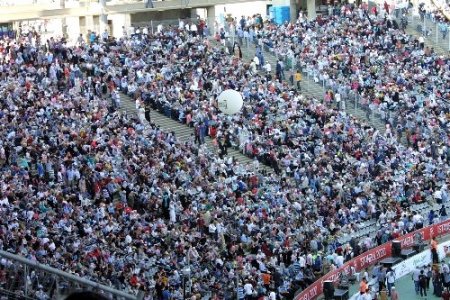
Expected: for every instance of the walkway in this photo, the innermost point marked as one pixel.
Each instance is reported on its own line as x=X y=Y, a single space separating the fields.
x=440 y=45
x=405 y=289
x=37 y=11
x=312 y=89
x=182 y=132
x=415 y=28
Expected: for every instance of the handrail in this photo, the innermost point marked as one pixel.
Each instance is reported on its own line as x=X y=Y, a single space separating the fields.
x=371 y=257
x=444 y=13
x=268 y=48
x=68 y=276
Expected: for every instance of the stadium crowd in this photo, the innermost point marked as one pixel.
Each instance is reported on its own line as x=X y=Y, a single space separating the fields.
x=92 y=191
x=439 y=12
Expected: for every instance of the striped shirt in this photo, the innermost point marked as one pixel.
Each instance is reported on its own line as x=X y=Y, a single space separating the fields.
x=240 y=292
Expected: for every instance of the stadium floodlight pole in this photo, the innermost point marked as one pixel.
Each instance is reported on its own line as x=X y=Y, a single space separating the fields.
x=68 y=276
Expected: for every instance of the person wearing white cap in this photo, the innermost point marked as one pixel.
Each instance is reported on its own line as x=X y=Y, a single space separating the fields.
x=394 y=293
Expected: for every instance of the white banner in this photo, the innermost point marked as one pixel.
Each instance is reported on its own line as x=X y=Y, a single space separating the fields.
x=418 y=260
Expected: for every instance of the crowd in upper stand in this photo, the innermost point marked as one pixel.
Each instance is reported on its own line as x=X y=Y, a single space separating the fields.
x=439 y=12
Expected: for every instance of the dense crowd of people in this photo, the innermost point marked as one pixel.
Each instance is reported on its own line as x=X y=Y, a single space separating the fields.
x=390 y=70
x=438 y=11
x=95 y=192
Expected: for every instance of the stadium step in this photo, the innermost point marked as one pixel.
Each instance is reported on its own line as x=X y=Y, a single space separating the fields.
x=313 y=89
x=440 y=46
x=183 y=132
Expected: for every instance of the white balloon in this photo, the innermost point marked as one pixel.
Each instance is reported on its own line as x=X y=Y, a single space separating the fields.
x=230 y=102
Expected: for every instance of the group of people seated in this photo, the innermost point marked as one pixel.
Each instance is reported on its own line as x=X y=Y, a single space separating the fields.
x=93 y=191
x=438 y=10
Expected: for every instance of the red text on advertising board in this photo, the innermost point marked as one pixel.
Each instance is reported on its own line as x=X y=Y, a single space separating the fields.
x=311 y=293
x=371 y=257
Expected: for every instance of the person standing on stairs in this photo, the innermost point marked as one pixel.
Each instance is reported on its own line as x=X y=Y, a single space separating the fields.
x=147 y=113
x=280 y=70
x=141 y=115
x=197 y=133
x=243 y=22
x=298 y=79
x=200 y=132
x=237 y=50
x=253 y=67
x=240 y=35
x=421 y=42
x=222 y=36
x=268 y=69
x=257 y=62
x=434 y=253
x=115 y=97
x=223 y=151
x=260 y=56
x=247 y=37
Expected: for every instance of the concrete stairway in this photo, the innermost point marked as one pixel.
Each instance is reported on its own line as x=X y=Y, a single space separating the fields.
x=312 y=89
x=183 y=132
x=440 y=45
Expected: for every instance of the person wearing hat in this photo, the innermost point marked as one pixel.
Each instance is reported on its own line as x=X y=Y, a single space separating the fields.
x=446 y=294
x=394 y=294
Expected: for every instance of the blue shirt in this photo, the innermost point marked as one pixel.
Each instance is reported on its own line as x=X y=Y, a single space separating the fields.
x=166 y=295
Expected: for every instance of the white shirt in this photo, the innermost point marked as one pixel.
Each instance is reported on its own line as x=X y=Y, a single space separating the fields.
x=128 y=239
x=415 y=275
x=390 y=277
x=272 y=296
x=302 y=261
x=212 y=228
x=417 y=218
x=248 y=289
x=339 y=261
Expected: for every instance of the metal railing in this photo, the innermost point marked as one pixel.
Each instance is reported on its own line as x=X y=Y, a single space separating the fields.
x=26 y=279
x=351 y=100
x=432 y=29
x=154 y=25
